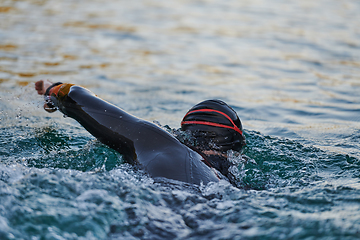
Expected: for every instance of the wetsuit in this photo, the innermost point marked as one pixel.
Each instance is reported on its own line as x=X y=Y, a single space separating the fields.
x=139 y=141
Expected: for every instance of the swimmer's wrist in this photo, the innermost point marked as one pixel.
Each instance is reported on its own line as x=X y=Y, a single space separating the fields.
x=49 y=104
x=47 y=92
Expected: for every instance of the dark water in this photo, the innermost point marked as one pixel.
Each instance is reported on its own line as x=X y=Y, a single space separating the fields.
x=291 y=69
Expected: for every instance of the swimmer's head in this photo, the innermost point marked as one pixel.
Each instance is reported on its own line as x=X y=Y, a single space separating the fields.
x=215 y=125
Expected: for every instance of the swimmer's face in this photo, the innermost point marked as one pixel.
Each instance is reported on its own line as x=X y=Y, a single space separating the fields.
x=213 y=152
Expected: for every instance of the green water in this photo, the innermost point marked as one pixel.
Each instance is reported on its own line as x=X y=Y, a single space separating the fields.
x=289 y=68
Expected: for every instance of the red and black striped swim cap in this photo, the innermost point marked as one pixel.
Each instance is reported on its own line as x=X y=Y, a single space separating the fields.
x=215 y=123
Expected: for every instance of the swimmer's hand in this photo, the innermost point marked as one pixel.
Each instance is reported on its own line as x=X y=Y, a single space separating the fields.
x=41 y=87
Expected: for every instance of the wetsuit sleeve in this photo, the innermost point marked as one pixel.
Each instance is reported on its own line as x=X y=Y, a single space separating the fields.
x=97 y=116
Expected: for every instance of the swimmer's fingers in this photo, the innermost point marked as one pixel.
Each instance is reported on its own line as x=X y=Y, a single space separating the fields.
x=41 y=86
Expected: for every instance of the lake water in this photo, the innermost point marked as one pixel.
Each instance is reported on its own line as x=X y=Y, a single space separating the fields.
x=291 y=70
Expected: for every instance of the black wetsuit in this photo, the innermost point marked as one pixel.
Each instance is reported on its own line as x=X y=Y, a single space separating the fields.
x=140 y=142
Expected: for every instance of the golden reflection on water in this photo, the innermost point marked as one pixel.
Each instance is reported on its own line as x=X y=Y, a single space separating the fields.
x=82 y=24
x=8 y=47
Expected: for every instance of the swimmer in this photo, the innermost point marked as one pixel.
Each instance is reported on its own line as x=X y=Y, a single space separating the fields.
x=215 y=127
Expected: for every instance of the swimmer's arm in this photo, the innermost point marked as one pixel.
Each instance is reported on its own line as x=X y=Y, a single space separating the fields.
x=90 y=112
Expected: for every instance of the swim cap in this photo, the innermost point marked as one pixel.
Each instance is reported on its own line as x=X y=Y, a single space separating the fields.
x=215 y=125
